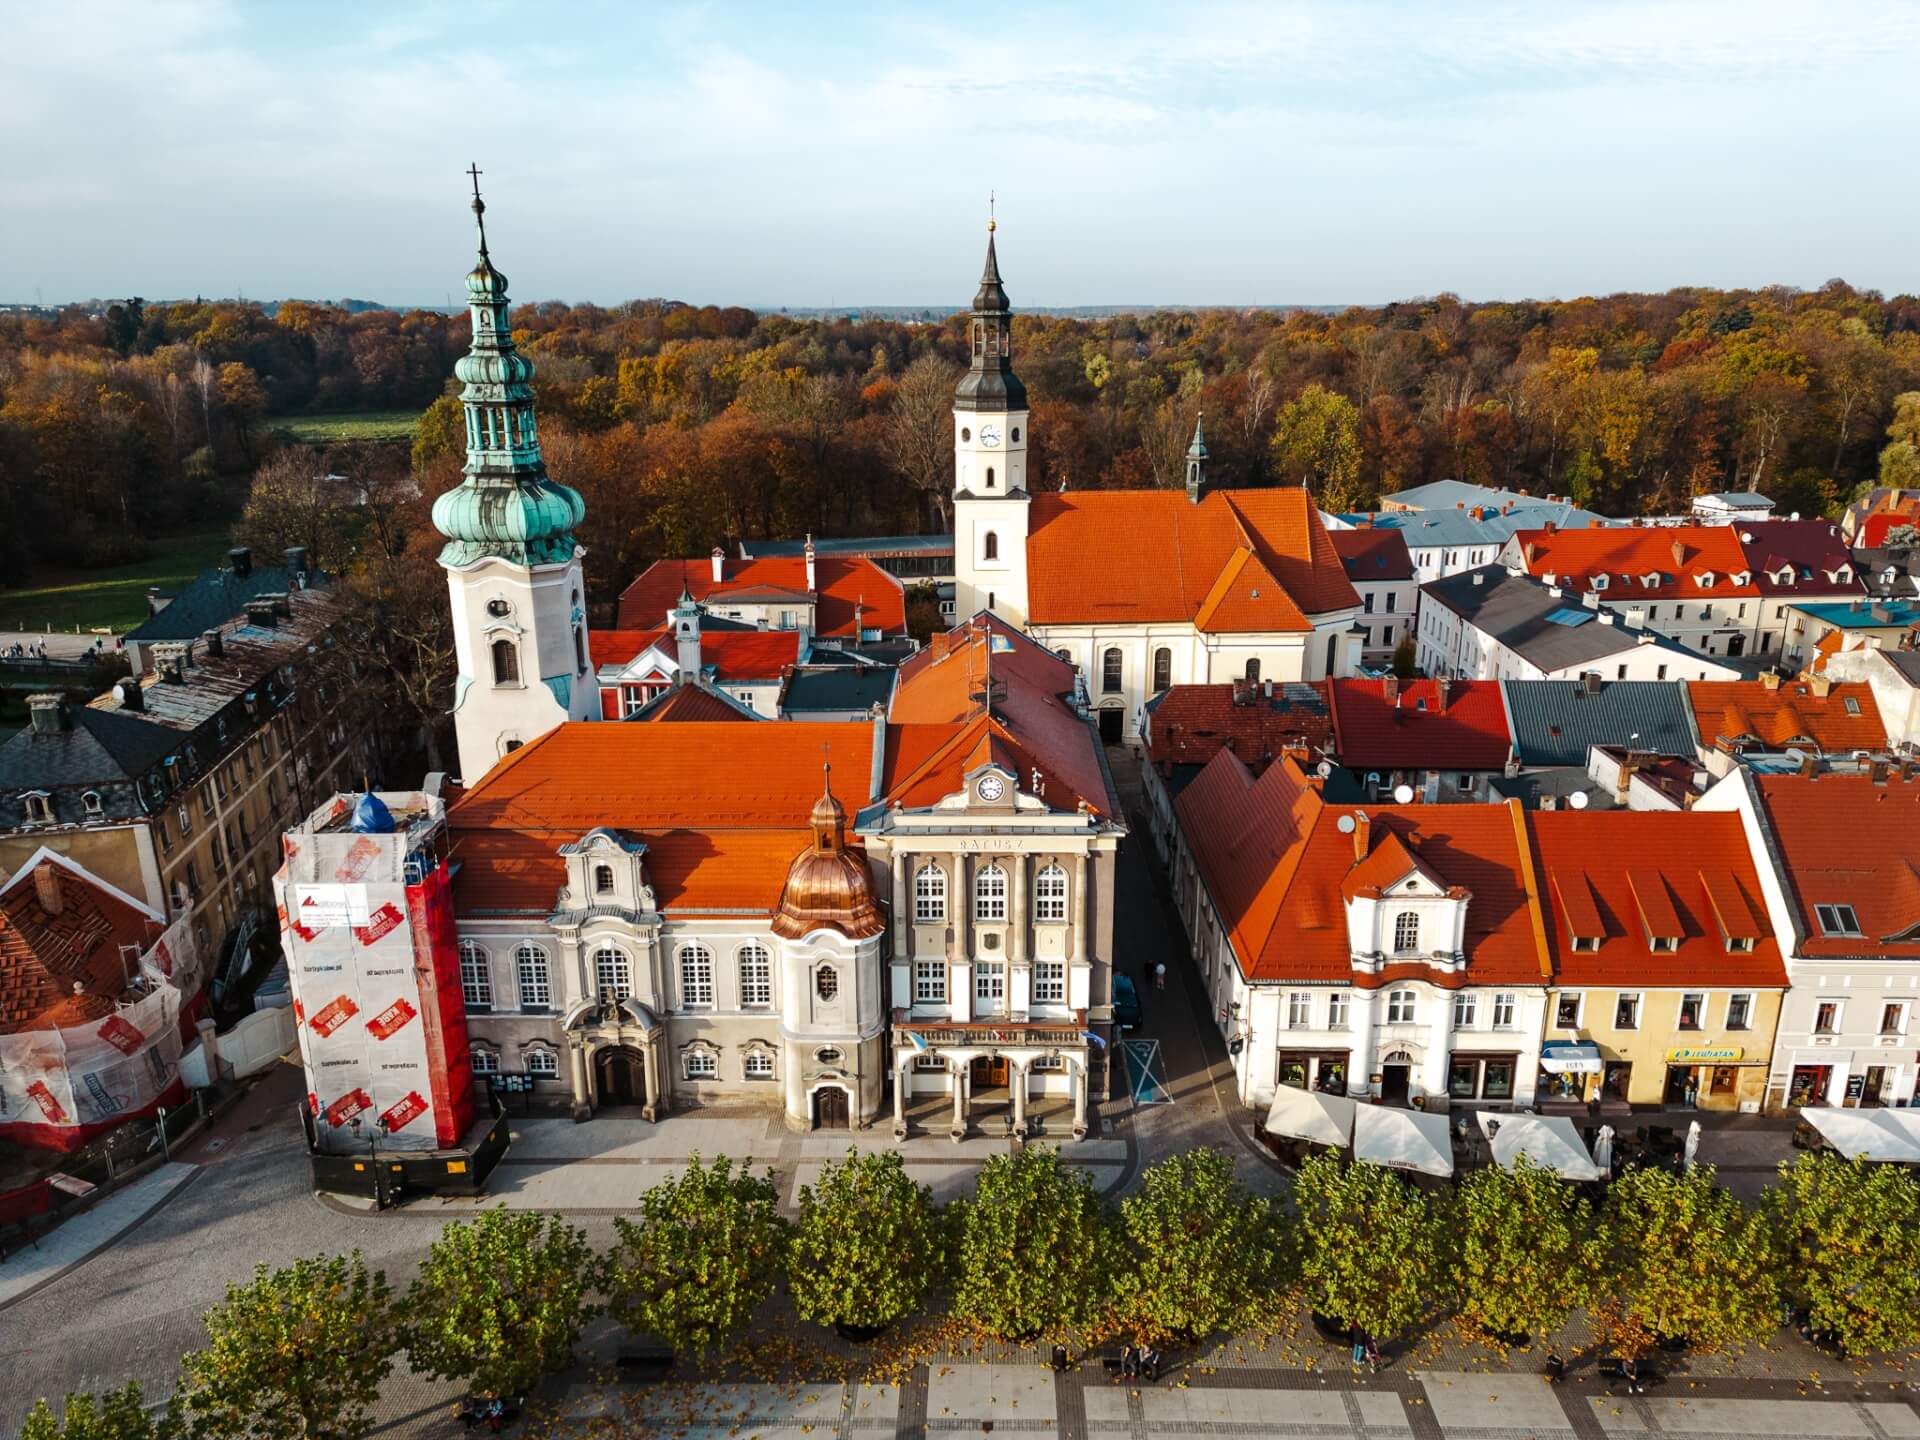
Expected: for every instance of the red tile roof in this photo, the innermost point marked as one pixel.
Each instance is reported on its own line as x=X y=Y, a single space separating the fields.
x=682 y=703
x=1190 y=723
x=736 y=655
x=1373 y=554
x=1873 y=530
x=1241 y=561
x=1680 y=557
x=1729 y=712
x=63 y=968
x=1616 y=875
x=1406 y=725
x=846 y=584
x=1275 y=862
x=1847 y=841
x=1799 y=557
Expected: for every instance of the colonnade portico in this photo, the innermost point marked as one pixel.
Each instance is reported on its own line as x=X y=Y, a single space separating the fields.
x=1020 y=1061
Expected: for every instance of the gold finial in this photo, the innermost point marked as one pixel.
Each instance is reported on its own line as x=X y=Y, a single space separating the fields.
x=991 y=223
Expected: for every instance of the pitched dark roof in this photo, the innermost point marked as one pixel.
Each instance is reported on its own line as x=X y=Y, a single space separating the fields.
x=214 y=598
x=1375 y=554
x=104 y=751
x=1513 y=609
x=837 y=688
x=1554 y=722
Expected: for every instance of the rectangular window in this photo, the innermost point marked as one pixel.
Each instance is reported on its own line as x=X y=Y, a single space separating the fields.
x=1739 y=1012
x=1463 y=1010
x=1826 y=1017
x=1626 y=1013
x=1299 y=1010
x=1366 y=603
x=1693 y=1008
x=1337 y=1010
x=1837 y=920
x=1503 y=1010
x=1463 y=1078
x=1400 y=1009
x=1893 y=1018
x=1566 y=1011
x=990 y=986
x=701 y=1065
x=1497 y=1080
x=536 y=986
x=1049 y=982
x=929 y=982
x=1390 y=598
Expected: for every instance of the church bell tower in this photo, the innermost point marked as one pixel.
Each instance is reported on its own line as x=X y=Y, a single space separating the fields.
x=513 y=566
x=990 y=501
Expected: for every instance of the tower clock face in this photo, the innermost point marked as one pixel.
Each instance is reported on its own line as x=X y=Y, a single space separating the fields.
x=990 y=788
x=990 y=436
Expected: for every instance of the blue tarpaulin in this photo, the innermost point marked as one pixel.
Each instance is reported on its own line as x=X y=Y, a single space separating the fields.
x=371 y=816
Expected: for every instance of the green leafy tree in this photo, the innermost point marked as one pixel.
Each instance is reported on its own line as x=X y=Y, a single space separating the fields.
x=869 y=1245
x=115 y=1415
x=1686 y=1260
x=1371 y=1246
x=709 y=1248
x=1523 y=1249
x=1204 y=1251
x=500 y=1301
x=1845 y=1230
x=1403 y=658
x=1316 y=443
x=293 y=1354
x=1034 y=1247
x=442 y=433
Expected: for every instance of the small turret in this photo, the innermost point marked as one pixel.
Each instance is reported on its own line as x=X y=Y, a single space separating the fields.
x=1197 y=463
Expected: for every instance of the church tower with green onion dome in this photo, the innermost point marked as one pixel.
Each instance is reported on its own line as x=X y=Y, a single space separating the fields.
x=513 y=565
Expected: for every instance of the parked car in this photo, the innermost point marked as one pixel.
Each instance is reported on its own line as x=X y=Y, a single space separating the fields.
x=1126 y=1002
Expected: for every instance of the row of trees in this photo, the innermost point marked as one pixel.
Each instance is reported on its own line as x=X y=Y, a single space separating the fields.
x=501 y=1302
x=712 y=424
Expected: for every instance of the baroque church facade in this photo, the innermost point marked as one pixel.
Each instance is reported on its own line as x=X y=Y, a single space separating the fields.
x=1143 y=590
x=905 y=920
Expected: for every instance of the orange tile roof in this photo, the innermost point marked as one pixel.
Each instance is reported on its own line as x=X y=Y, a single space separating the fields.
x=1275 y=863
x=846 y=584
x=1241 y=561
x=1602 y=870
x=44 y=957
x=1728 y=712
x=736 y=655
x=1189 y=723
x=1847 y=841
x=1678 y=556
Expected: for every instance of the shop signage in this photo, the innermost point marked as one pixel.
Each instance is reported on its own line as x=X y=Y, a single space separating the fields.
x=1704 y=1054
x=998 y=1035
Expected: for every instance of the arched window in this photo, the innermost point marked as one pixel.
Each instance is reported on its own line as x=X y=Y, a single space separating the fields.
x=476 y=975
x=990 y=894
x=826 y=982
x=1050 y=895
x=603 y=879
x=1162 y=669
x=1253 y=671
x=930 y=894
x=702 y=1064
x=696 y=975
x=989 y=477
x=759 y=1065
x=990 y=546
x=506 y=662
x=90 y=801
x=484 y=1062
x=536 y=981
x=1110 y=672
x=1406 y=933
x=543 y=1063
x=579 y=648
x=756 y=975
x=612 y=973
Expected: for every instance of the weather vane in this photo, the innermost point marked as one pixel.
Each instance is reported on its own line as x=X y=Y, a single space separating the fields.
x=990 y=220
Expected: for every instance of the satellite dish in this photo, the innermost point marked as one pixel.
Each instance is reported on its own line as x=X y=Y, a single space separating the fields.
x=1344 y=825
x=1373 y=777
x=1578 y=800
x=1324 y=769
x=1403 y=794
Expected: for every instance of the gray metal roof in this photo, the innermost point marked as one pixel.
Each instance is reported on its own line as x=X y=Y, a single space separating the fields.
x=1560 y=784
x=1425 y=529
x=1555 y=722
x=214 y=598
x=838 y=687
x=1463 y=494
x=1740 y=499
x=1514 y=610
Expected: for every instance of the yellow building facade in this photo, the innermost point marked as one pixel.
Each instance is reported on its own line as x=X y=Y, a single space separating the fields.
x=1700 y=1047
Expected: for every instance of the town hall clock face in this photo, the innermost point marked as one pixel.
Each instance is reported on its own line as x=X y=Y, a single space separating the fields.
x=990 y=788
x=990 y=436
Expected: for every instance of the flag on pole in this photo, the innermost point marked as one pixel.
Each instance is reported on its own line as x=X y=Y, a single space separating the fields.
x=1094 y=1039
x=917 y=1040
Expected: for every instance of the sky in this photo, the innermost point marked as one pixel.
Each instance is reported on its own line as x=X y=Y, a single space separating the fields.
x=815 y=154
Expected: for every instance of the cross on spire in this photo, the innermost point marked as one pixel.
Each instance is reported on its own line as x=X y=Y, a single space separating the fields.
x=991 y=222
x=479 y=205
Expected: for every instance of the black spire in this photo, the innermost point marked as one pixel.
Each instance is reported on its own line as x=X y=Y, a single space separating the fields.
x=990 y=383
x=479 y=208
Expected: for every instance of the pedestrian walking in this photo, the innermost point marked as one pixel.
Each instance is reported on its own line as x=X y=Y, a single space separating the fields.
x=1159 y=974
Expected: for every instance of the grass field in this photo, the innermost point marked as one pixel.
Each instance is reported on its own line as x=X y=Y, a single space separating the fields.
x=349 y=425
x=115 y=597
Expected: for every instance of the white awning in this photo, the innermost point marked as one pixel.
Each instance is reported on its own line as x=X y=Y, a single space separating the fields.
x=1906 y=1123
x=1864 y=1132
x=1402 y=1139
x=1570 y=1057
x=1311 y=1115
x=1549 y=1141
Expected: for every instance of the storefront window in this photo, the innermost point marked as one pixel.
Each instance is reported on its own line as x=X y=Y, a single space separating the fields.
x=1293 y=1071
x=1809 y=1084
x=1618 y=1077
x=1463 y=1076
x=1333 y=1077
x=1725 y=1080
x=1497 y=1082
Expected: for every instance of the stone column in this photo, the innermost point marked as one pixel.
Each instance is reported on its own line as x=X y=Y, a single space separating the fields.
x=1440 y=1049
x=902 y=903
x=963 y=906
x=959 y=1073
x=658 y=1096
x=1017 y=913
x=1017 y=1078
x=1360 y=1057
x=1080 y=907
x=1081 y=1081
x=582 y=1109
x=900 y=1065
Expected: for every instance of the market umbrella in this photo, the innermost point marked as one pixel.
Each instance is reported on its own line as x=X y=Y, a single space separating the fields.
x=1549 y=1141
x=1603 y=1150
x=1693 y=1143
x=1311 y=1115
x=1402 y=1139
x=1863 y=1132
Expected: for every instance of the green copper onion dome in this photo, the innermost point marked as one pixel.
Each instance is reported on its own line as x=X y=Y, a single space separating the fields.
x=506 y=507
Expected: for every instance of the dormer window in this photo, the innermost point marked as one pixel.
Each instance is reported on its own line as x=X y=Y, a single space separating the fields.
x=1704 y=579
x=1743 y=578
x=39 y=805
x=1599 y=582
x=1586 y=944
x=1660 y=922
x=603 y=880
x=1844 y=574
x=1406 y=933
x=90 y=801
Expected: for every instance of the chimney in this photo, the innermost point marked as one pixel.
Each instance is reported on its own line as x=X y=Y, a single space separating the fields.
x=1590 y=682
x=46 y=887
x=1479 y=512
x=216 y=647
x=47 y=714
x=719 y=565
x=1441 y=687
x=1679 y=552
x=132 y=697
x=297 y=560
x=1590 y=599
x=813 y=583
x=240 y=558
x=1531 y=551
x=1390 y=687
x=1549 y=527
x=1809 y=766
x=1877 y=771
x=1769 y=679
x=1362 y=835
x=154 y=603
x=1822 y=686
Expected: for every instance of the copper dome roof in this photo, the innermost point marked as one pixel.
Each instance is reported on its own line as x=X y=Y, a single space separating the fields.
x=827 y=885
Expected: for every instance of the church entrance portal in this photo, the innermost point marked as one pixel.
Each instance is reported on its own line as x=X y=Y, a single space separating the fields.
x=1112 y=726
x=621 y=1075
x=830 y=1108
